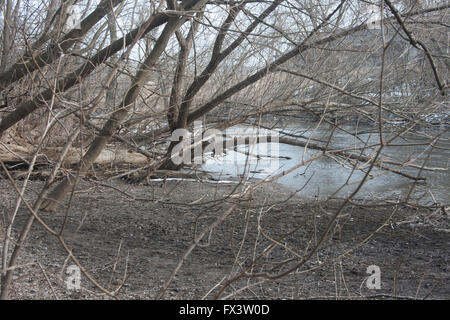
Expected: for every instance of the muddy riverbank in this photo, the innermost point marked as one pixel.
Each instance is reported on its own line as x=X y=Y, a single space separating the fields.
x=133 y=236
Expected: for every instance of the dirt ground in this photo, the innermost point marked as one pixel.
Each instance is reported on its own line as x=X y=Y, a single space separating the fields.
x=133 y=236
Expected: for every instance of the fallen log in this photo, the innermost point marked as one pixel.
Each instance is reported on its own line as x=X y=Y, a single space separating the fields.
x=16 y=154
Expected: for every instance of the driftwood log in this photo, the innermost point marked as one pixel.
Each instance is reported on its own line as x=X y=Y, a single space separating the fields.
x=16 y=154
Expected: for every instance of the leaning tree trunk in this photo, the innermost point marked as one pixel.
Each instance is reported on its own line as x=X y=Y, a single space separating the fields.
x=113 y=124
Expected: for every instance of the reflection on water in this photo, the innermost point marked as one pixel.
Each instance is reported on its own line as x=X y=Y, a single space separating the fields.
x=325 y=177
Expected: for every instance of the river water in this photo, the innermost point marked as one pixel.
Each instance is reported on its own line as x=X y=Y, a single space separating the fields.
x=325 y=177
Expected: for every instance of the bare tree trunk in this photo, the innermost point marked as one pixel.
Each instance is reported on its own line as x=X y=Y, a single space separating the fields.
x=10 y=17
x=111 y=92
x=176 y=92
x=217 y=57
x=113 y=124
